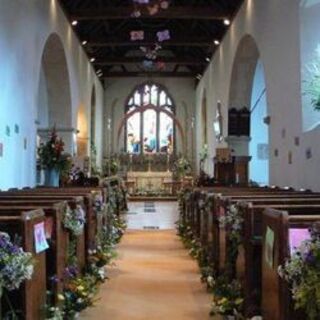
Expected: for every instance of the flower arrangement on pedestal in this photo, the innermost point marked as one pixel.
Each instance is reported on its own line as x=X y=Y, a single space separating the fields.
x=53 y=159
x=302 y=272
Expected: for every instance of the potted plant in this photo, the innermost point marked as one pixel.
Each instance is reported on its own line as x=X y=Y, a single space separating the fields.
x=53 y=159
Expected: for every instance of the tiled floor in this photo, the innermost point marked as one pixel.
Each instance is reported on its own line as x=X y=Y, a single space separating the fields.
x=164 y=217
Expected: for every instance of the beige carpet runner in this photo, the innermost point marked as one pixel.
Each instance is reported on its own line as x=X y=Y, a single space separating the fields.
x=154 y=279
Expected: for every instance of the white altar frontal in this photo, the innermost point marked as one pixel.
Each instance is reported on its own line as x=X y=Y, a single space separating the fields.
x=149 y=180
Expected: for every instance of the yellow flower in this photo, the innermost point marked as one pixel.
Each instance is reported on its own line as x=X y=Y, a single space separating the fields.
x=222 y=301
x=80 y=288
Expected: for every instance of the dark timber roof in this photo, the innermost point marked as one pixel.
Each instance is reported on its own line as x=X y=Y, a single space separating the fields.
x=105 y=25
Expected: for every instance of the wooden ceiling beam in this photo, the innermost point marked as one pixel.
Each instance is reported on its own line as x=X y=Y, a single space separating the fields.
x=183 y=13
x=149 y=74
x=170 y=43
x=111 y=61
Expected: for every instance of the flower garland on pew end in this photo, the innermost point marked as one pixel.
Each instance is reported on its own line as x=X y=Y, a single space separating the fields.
x=16 y=266
x=226 y=290
x=302 y=273
x=81 y=289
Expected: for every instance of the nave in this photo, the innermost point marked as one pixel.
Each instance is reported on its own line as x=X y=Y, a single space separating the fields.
x=153 y=277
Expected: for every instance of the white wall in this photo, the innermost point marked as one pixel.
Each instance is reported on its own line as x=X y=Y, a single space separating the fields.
x=259 y=164
x=24 y=28
x=274 y=25
x=117 y=92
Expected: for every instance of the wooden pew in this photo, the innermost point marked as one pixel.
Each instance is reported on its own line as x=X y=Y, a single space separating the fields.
x=31 y=297
x=57 y=254
x=275 y=293
x=88 y=195
x=221 y=206
x=248 y=269
x=43 y=201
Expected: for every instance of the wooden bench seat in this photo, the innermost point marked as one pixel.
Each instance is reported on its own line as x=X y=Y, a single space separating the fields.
x=276 y=301
x=31 y=297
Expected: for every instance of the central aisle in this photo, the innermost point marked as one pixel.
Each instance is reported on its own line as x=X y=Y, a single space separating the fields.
x=154 y=277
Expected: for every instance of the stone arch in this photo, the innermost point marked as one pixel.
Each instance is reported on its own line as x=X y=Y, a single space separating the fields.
x=243 y=70
x=248 y=89
x=54 y=93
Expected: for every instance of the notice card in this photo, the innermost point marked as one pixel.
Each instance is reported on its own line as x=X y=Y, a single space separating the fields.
x=41 y=243
x=269 y=247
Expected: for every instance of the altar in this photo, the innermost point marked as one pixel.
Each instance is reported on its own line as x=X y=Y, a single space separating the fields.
x=149 y=180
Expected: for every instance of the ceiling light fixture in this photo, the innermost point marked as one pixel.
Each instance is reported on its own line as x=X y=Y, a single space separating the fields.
x=226 y=22
x=207 y=59
x=216 y=42
x=92 y=59
x=84 y=42
x=74 y=22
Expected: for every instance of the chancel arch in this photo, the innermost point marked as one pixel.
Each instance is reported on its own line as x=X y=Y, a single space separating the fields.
x=248 y=90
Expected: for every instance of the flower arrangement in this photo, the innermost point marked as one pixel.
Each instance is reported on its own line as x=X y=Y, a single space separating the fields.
x=51 y=154
x=302 y=272
x=16 y=266
x=182 y=167
x=111 y=166
x=227 y=298
x=74 y=220
x=102 y=256
x=233 y=222
x=79 y=294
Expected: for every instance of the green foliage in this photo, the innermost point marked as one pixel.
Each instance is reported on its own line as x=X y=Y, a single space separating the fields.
x=227 y=298
x=312 y=85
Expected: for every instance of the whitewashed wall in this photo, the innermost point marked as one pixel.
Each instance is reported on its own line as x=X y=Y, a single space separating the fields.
x=25 y=25
x=274 y=25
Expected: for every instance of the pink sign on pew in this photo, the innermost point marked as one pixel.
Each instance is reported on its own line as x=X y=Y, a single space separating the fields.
x=296 y=237
x=40 y=240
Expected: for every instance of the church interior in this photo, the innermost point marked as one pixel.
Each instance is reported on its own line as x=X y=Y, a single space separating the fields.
x=162 y=161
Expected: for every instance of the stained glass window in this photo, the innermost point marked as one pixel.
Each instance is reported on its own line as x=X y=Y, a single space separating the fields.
x=152 y=129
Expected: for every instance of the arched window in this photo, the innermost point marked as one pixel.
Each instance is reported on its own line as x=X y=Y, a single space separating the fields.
x=150 y=125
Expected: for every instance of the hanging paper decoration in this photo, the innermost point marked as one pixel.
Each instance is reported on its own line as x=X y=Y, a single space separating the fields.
x=153 y=10
x=141 y=1
x=151 y=52
x=148 y=64
x=152 y=7
x=163 y=35
x=136 y=14
x=137 y=35
x=161 y=65
x=164 y=5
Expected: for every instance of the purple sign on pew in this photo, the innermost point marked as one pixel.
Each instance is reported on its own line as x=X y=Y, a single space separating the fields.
x=296 y=236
